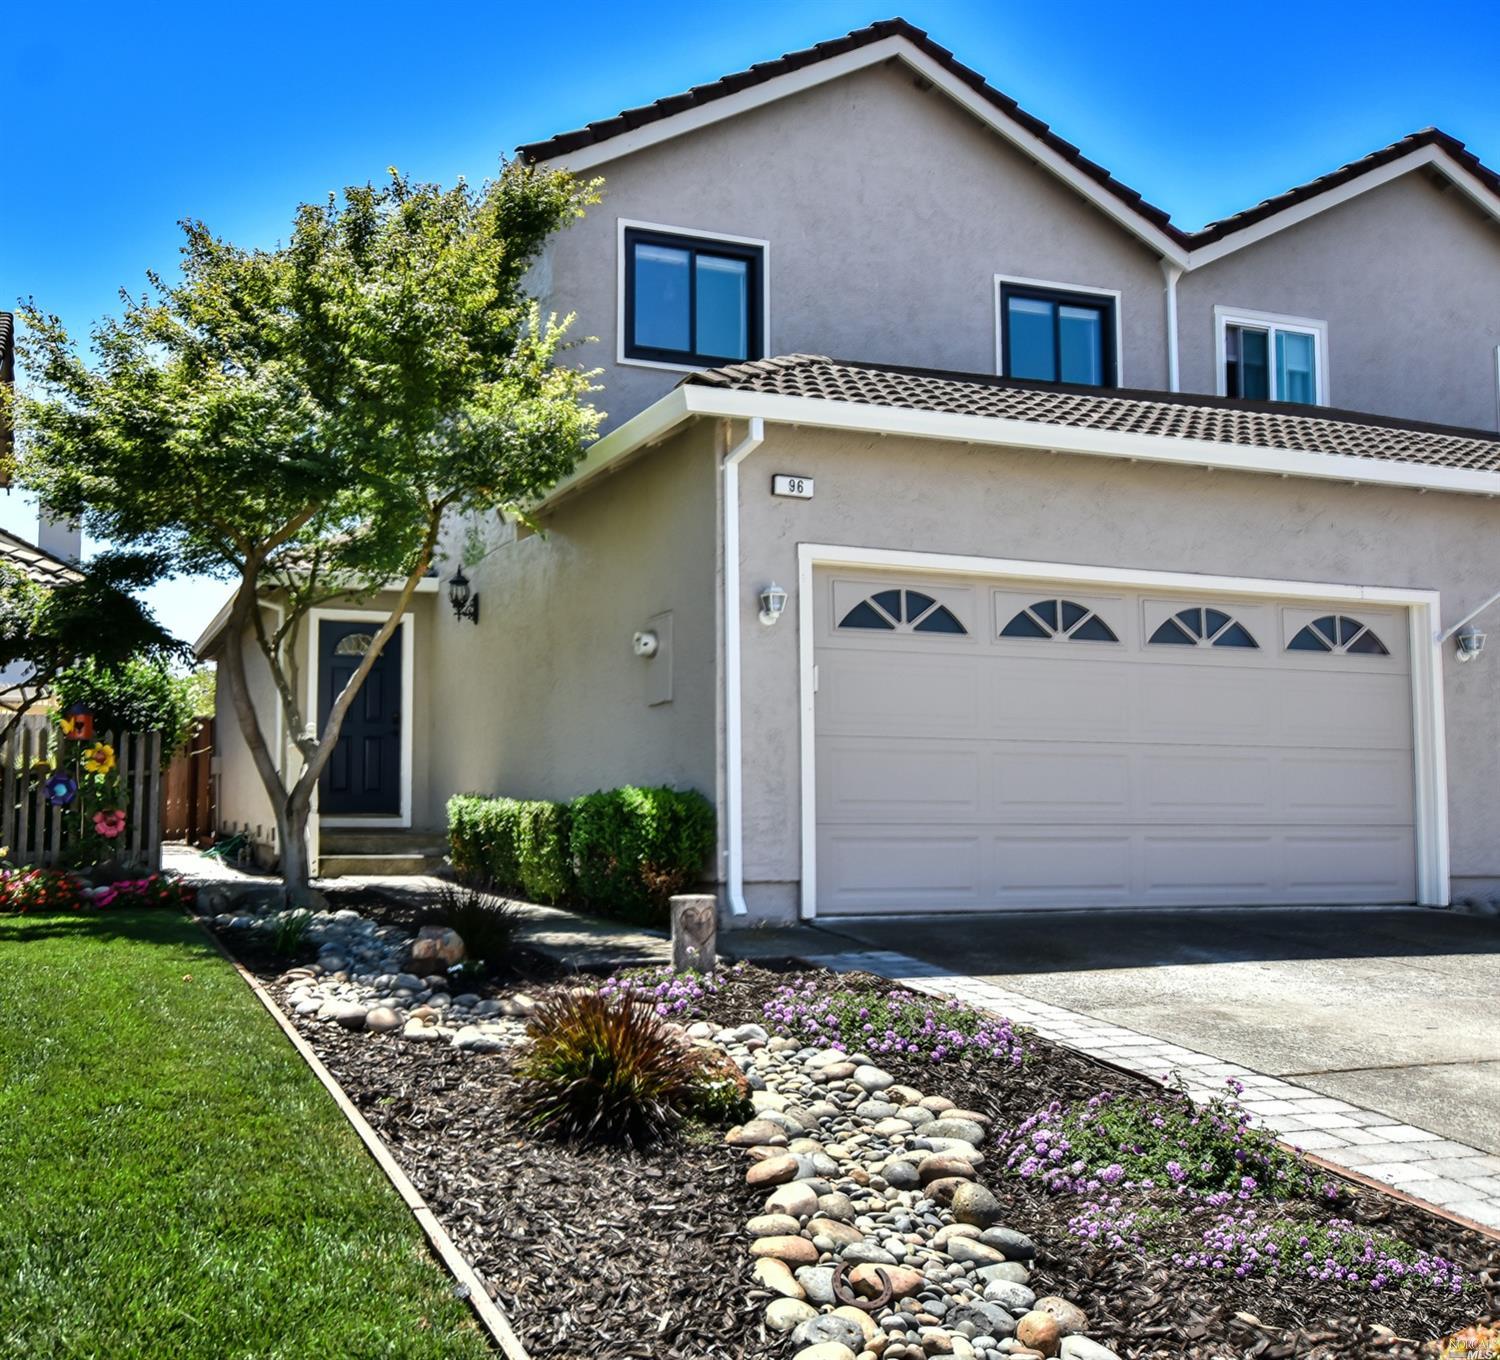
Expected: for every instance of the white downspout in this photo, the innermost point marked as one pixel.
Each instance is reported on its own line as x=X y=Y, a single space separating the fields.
x=734 y=829
x=1173 y=272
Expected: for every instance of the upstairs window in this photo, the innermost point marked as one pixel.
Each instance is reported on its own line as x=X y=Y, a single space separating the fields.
x=1272 y=359
x=692 y=300
x=1056 y=336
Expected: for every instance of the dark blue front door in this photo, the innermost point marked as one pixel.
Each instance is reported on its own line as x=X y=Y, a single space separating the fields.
x=363 y=775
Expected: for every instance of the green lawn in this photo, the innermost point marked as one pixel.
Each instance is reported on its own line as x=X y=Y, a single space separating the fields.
x=174 y=1182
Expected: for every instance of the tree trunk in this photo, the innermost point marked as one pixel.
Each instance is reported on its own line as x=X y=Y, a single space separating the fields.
x=292 y=816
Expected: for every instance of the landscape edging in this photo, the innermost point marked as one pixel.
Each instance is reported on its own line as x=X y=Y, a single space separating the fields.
x=490 y=1314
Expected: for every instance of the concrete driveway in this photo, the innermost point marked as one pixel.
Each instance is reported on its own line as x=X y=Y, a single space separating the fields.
x=1397 y=1010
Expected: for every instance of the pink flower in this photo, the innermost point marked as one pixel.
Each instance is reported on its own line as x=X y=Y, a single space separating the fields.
x=109 y=824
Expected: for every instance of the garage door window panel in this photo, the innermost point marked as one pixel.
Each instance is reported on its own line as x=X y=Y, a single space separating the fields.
x=1058 y=619
x=1338 y=633
x=1202 y=626
x=903 y=611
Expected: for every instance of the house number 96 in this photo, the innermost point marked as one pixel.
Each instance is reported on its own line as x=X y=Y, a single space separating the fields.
x=784 y=484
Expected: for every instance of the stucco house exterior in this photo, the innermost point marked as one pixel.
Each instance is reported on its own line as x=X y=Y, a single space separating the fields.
x=1105 y=563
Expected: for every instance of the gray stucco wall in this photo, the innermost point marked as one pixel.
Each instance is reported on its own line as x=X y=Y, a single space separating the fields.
x=936 y=497
x=888 y=211
x=546 y=698
x=1407 y=278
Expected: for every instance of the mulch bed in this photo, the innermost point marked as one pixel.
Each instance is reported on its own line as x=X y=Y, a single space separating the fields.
x=630 y=1256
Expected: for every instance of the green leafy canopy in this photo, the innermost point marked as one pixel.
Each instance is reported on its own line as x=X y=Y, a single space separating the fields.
x=307 y=418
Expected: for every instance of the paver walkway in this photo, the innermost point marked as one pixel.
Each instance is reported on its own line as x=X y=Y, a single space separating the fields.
x=1455 y=1176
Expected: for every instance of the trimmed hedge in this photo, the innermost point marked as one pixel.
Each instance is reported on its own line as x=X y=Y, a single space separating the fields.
x=623 y=852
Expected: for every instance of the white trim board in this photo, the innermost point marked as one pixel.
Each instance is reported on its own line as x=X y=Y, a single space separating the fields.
x=1430 y=779
x=315 y=618
x=1224 y=317
x=624 y=224
x=1084 y=289
x=662 y=417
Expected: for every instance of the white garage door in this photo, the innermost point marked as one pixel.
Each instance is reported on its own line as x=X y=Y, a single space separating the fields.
x=984 y=745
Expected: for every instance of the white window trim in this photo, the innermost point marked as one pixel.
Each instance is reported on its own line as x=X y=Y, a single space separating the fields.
x=315 y=618
x=1224 y=317
x=1113 y=294
x=1425 y=647
x=624 y=224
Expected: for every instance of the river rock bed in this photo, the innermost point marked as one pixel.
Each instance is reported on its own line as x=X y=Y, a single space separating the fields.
x=876 y=1238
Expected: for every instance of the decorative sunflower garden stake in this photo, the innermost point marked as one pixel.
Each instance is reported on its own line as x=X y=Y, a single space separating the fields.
x=93 y=785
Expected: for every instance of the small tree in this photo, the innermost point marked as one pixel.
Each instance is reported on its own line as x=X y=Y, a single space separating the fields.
x=45 y=629
x=304 y=420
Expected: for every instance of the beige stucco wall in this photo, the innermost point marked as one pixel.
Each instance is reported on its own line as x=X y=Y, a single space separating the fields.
x=949 y=498
x=546 y=697
x=1407 y=278
x=888 y=211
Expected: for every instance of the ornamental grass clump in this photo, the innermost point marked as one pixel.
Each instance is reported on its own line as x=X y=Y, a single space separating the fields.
x=488 y=925
x=1208 y=1151
x=605 y=1068
x=868 y=1020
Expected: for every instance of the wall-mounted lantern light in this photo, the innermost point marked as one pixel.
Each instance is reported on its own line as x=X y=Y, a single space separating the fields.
x=1470 y=642
x=464 y=601
x=772 y=602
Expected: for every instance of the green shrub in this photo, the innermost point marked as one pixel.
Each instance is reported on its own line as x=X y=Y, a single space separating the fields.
x=633 y=848
x=484 y=840
x=138 y=695
x=488 y=926
x=290 y=933
x=543 y=851
x=606 y=1069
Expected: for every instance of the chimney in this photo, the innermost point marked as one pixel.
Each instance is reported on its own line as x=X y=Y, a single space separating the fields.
x=58 y=538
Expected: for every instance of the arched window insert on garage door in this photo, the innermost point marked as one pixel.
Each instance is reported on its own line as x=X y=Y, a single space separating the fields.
x=1337 y=633
x=903 y=611
x=1202 y=627
x=1059 y=619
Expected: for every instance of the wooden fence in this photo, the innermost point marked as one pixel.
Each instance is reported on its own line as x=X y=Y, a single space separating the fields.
x=35 y=832
x=190 y=788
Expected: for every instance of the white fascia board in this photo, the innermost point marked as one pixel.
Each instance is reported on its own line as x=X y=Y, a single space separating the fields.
x=1332 y=198
x=821 y=413
x=794 y=82
x=647 y=426
x=210 y=635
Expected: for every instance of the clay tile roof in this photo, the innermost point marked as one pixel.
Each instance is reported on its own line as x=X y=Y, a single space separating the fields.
x=1253 y=424
x=41 y=566
x=699 y=95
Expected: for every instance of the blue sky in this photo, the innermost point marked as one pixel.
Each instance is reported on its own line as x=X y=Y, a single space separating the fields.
x=122 y=119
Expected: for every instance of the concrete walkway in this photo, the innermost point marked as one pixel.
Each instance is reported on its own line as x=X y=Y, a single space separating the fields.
x=1369 y=1037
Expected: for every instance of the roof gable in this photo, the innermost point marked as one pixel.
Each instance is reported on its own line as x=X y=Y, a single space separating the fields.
x=635 y=129
x=895 y=39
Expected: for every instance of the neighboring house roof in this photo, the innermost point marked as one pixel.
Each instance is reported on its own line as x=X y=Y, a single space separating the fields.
x=41 y=566
x=1221 y=420
x=807 y=390
x=729 y=94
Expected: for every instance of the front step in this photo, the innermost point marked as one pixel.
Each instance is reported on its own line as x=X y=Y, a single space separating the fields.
x=397 y=852
x=382 y=866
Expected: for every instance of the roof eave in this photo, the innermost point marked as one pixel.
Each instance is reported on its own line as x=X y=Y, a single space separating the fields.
x=693 y=400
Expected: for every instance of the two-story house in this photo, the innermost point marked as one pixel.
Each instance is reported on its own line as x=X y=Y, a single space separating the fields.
x=1103 y=563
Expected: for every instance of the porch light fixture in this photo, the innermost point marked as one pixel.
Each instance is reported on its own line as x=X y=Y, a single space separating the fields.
x=464 y=601
x=772 y=602
x=1470 y=642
